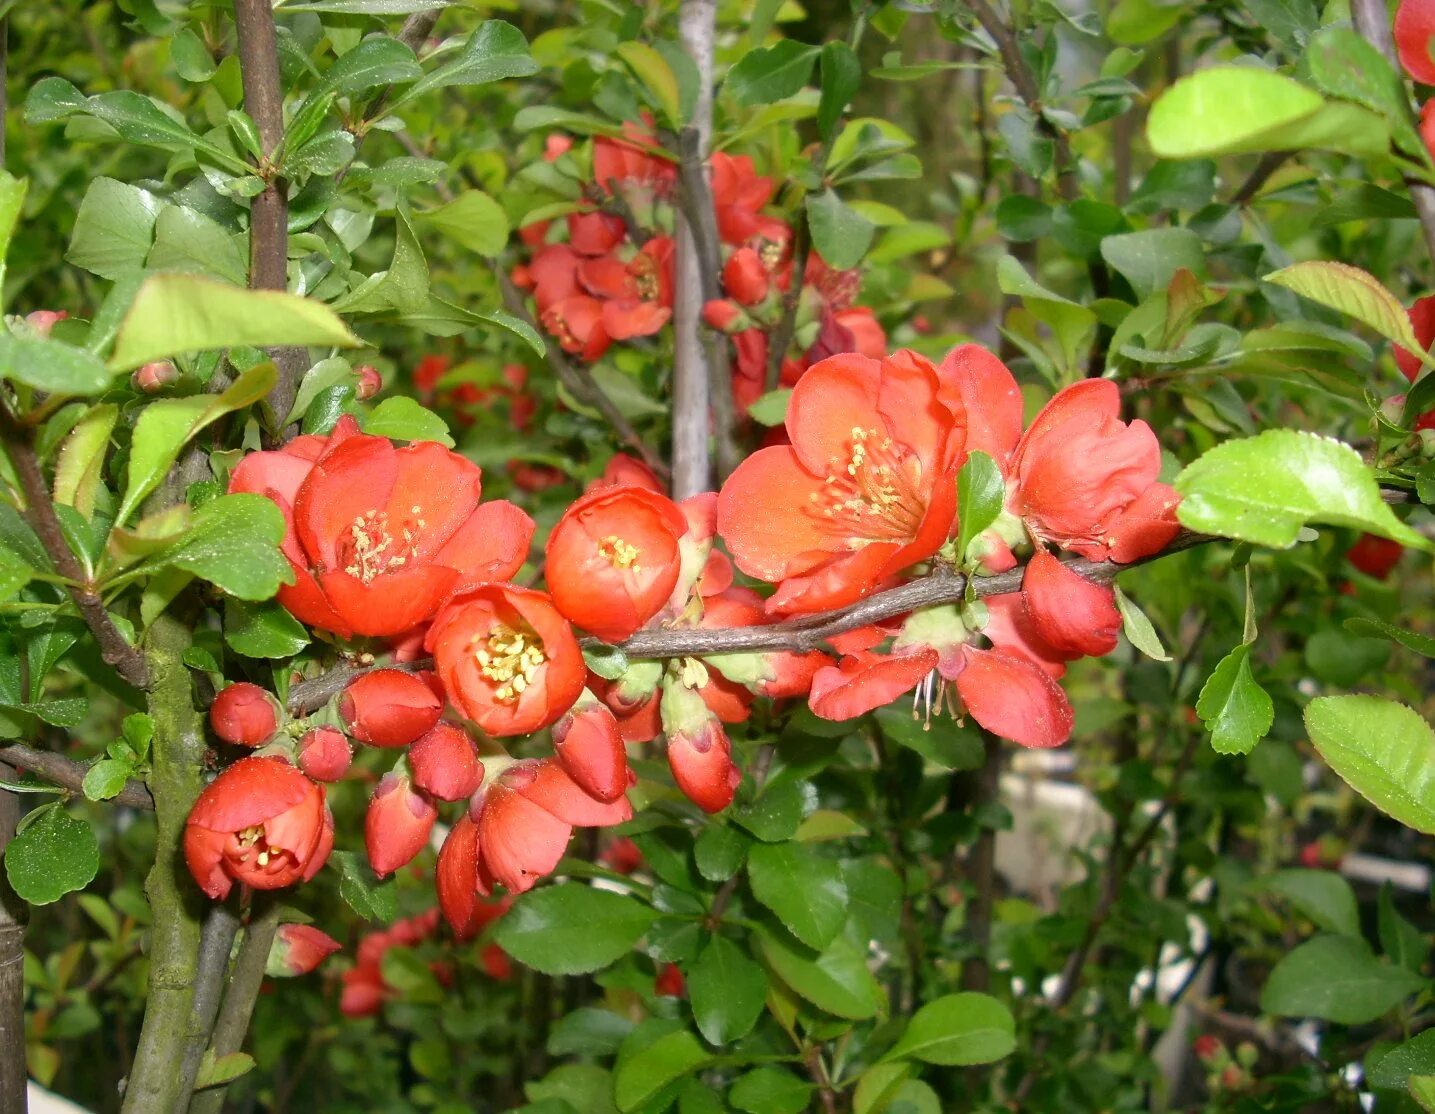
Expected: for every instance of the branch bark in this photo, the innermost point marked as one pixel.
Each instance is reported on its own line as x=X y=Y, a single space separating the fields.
x=692 y=375
x=309 y=696
x=66 y=772
x=1372 y=20
x=269 y=211
x=13 y=915
x=215 y=944
x=126 y=660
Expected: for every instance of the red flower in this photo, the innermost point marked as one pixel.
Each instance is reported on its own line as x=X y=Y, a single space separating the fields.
x=612 y=560
x=670 y=982
x=577 y=322
x=429 y=371
x=1422 y=318
x=867 y=487
x=589 y=747
x=1414 y=28
x=298 y=949
x=622 y=855
x=455 y=878
x=260 y=822
x=244 y=714
x=1070 y=614
x=445 y=763
x=507 y=658
x=620 y=162
x=325 y=754
x=745 y=277
x=637 y=294
x=1375 y=556
x=556 y=145
x=398 y=823
x=389 y=708
x=364 y=991
x=595 y=233
x=739 y=195
x=379 y=536
x=865 y=680
x=623 y=470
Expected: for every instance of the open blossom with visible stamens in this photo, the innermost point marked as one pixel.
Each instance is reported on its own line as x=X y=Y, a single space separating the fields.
x=612 y=560
x=378 y=536
x=507 y=658
x=866 y=488
x=260 y=822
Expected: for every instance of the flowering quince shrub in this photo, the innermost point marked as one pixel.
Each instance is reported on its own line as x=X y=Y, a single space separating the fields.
x=845 y=557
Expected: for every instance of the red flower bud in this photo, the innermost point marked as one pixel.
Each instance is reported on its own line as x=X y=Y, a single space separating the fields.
x=725 y=315
x=1071 y=614
x=670 y=982
x=297 y=950
x=445 y=763
x=699 y=753
x=622 y=855
x=155 y=376
x=370 y=382
x=1413 y=30
x=1375 y=556
x=1207 y=1047
x=397 y=824
x=325 y=754
x=364 y=991
x=623 y=471
x=745 y=278
x=456 y=878
x=260 y=822
x=590 y=749
x=496 y=964
x=244 y=714
x=554 y=145
x=43 y=320
x=388 y=708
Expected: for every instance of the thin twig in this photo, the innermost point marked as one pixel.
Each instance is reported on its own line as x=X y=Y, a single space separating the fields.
x=1372 y=20
x=216 y=941
x=69 y=774
x=126 y=660
x=269 y=211
x=1268 y=164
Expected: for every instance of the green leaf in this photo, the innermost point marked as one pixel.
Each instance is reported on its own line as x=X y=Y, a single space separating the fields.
x=1148 y=260
x=805 y=890
x=52 y=366
x=473 y=220
x=1400 y=940
x=12 y=201
x=1321 y=895
x=521 y=329
x=640 y=1077
x=139 y=119
x=625 y=393
x=495 y=51
x=404 y=419
x=770 y=1090
x=727 y=989
x=1227 y=109
x=1264 y=489
x=1414 y=1057
x=981 y=494
x=185 y=240
x=589 y=1031
x=1343 y=64
x=14 y=574
x=51 y=857
x=959 y=1029
x=1353 y=292
x=114 y=228
x=571 y=929
x=333 y=372
x=840 y=234
x=374 y=62
x=262 y=630
x=233 y=542
x=938 y=739
x=771 y=73
x=1235 y=709
x=771 y=409
x=226 y=1069
x=1336 y=978
x=584 y=1087
x=164 y=426
x=191 y=58
x=106 y=778
x=719 y=851
x=1138 y=629
x=656 y=76
x=836 y=980
x=1384 y=751
x=1378 y=628
x=841 y=75
x=78 y=470
x=361 y=889
x=403 y=287
x=172 y=314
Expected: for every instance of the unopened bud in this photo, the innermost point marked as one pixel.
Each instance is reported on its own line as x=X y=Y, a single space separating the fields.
x=155 y=376
x=370 y=382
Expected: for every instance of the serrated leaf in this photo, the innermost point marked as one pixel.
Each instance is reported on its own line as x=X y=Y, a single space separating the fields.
x=727 y=989
x=1336 y=978
x=233 y=542
x=1235 y=709
x=571 y=929
x=495 y=51
x=51 y=857
x=1421 y=643
x=1351 y=291
x=804 y=888
x=1383 y=750
x=840 y=234
x=403 y=419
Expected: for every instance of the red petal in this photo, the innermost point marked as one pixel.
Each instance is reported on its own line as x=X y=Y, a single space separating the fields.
x=832 y=399
x=1414 y=28
x=764 y=514
x=392 y=602
x=350 y=480
x=1014 y=698
x=1070 y=613
x=491 y=545
x=864 y=681
x=987 y=391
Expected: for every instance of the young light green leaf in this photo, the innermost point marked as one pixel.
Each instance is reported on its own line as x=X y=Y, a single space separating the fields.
x=82 y=457
x=172 y=314
x=771 y=408
x=106 y=778
x=1351 y=291
x=958 y=1029
x=1138 y=629
x=51 y=857
x=981 y=494
x=1384 y=751
x=656 y=76
x=403 y=419
x=114 y=228
x=52 y=366
x=771 y=73
x=1264 y=489
x=1235 y=709
x=473 y=220
x=1225 y=109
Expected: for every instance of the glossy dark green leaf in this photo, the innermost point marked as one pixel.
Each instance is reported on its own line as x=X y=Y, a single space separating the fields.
x=727 y=989
x=839 y=232
x=770 y=1090
x=570 y=928
x=841 y=75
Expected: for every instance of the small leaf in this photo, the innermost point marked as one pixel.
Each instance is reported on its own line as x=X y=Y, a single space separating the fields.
x=958 y=1029
x=1384 y=751
x=841 y=76
x=836 y=980
x=771 y=73
x=473 y=220
x=233 y=542
x=1336 y=978
x=1351 y=291
x=362 y=891
x=771 y=409
x=1322 y=895
x=1138 y=629
x=226 y=1069
x=106 y=778
x=1149 y=259
x=840 y=234
x=571 y=929
x=770 y=1090
x=262 y=630
x=1264 y=489
x=495 y=51
x=727 y=989
x=404 y=419
x=78 y=471
x=981 y=494
x=53 y=856
x=1235 y=709
x=190 y=57
x=173 y=314
x=640 y=1077
x=805 y=890
x=52 y=366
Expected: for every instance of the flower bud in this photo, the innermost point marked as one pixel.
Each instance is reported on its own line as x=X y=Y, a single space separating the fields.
x=456 y=878
x=44 y=320
x=397 y=824
x=699 y=753
x=154 y=376
x=370 y=382
x=445 y=763
x=1207 y=1047
x=590 y=749
x=364 y=991
x=670 y=982
x=725 y=315
x=745 y=278
x=388 y=708
x=325 y=753
x=244 y=714
x=297 y=949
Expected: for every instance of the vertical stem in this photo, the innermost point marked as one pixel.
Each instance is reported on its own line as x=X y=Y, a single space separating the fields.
x=177 y=758
x=216 y=942
x=692 y=458
x=981 y=871
x=269 y=211
x=13 y=915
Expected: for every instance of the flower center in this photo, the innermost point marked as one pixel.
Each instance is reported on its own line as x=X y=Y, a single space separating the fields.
x=372 y=549
x=510 y=659
x=770 y=252
x=251 y=839
x=645 y=277
x=871 y=493
x=618 y=553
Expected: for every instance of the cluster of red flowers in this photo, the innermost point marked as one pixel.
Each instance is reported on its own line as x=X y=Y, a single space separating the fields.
x=396 y=546
x=597 y=277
